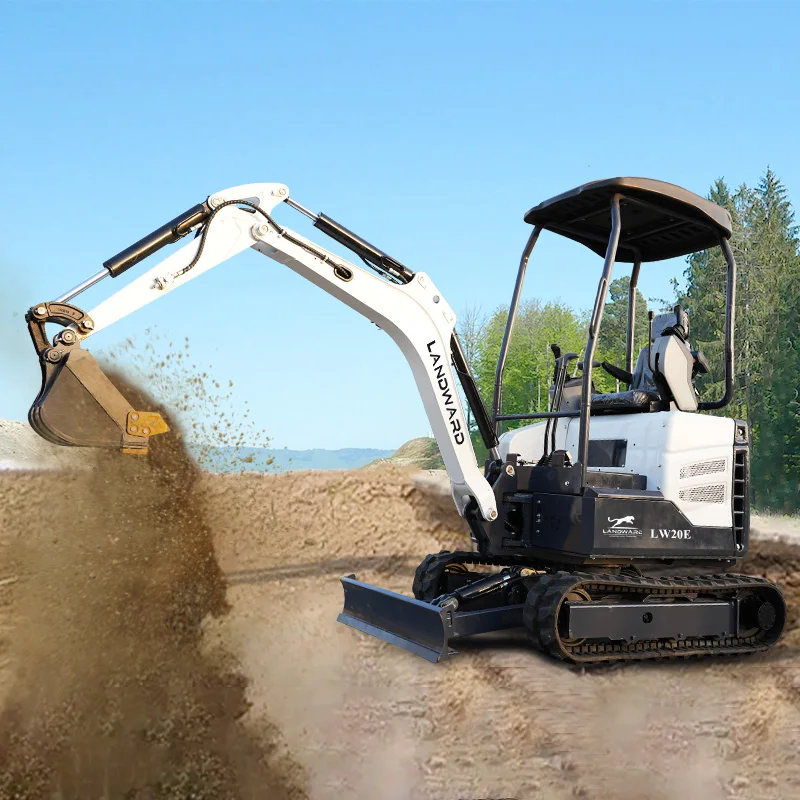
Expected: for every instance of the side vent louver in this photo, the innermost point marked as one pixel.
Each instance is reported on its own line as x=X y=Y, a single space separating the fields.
x=714 y=493
x=709 y=467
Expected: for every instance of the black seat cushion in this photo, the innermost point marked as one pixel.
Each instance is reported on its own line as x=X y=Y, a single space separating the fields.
x=623 y=402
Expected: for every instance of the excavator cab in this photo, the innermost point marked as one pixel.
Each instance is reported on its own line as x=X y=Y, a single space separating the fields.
x=635 y=220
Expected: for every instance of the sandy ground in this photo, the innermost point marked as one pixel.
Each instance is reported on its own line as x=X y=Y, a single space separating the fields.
x=776 y=528
x=499 y=721
x=168 y=634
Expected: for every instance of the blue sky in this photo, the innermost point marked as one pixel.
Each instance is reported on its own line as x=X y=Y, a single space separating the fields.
x=427 y=127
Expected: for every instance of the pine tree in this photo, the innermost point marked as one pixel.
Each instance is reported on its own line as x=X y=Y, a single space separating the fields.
x=704 y=297
x=765 y=245
x=774 y=417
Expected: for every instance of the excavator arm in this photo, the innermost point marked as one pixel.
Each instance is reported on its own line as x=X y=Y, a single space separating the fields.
x=79 y=406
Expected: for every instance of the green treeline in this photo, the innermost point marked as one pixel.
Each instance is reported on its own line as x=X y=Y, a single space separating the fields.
x=765 y=243
x=767 y=344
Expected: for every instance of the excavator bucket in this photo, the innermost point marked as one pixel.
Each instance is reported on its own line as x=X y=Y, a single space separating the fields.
x=78 y=405
x=421 y=628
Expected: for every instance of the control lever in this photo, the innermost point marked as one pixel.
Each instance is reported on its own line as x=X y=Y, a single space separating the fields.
x=559 y=379
x=614 y=371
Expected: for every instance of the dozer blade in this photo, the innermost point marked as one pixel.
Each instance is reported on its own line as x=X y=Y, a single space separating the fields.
x=421 y=628
x=78 y=405
x=403 y=621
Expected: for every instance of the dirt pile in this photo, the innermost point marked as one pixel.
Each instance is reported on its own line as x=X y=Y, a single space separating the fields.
x=116 y=678
x=778 y=561
x=366 y=719
x=108 y=688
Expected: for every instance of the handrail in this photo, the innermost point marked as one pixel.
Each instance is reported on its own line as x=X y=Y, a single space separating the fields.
x=512 y=313
x=594 y=326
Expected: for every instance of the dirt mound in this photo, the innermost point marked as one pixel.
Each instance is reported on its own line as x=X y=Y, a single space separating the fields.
x=107 y=686
x=779 y=562
x=422 y=453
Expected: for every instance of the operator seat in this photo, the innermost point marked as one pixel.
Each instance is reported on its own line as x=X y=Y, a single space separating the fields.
x=664 y=373
x=672 y=362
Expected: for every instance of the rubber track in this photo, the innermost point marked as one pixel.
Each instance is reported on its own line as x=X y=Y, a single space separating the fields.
x=546 y=597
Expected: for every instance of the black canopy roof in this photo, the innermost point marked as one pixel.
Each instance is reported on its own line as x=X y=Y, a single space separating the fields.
x=659 y=220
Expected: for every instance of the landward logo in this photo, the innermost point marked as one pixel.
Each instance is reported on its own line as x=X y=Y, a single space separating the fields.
x=618 y=523
x=623 y=527
x=449 y=397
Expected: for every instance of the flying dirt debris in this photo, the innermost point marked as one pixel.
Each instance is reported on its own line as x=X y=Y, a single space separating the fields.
x=105 y=689
x=573 y=514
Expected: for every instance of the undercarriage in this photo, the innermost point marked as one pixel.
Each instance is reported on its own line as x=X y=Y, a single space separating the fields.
x=575 y=616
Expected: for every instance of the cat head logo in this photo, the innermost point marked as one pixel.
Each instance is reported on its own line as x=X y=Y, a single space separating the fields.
x=622 y=522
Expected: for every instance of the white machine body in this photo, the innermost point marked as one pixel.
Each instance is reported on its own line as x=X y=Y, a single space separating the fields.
x=687 y=457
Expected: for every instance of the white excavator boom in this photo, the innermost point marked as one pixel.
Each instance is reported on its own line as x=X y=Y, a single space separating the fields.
x=406 y=305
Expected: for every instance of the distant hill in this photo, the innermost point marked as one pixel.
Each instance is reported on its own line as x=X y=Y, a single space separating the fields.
x=422 y=453
x=258 y=459
x=21 y=448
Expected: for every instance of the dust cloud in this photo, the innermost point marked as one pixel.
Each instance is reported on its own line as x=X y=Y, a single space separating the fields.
x=221 y=427
x=108 y=687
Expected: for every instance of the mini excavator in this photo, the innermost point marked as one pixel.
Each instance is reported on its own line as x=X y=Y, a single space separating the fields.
x=605 y=527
